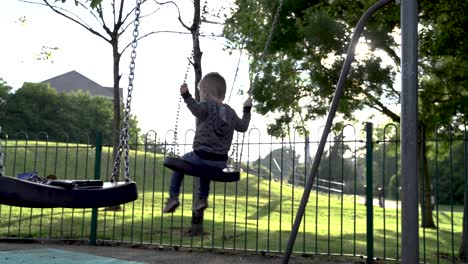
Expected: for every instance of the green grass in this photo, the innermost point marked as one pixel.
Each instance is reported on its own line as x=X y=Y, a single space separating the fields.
x=253 y=214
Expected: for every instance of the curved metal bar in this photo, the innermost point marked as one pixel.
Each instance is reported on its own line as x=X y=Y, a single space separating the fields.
x=351 y=126
x=187 y=132
x=331 y=114
x=388 y=126
x=150 y=134
x=166 y=141
x=300 y=128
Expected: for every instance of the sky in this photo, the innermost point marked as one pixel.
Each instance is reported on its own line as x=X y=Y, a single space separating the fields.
x=161 y=59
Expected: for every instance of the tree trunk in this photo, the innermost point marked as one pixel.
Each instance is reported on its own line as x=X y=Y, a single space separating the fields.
x=425 y=193
x=197 y=217
x=117 y=103
x=197 y=53
x=117 y=100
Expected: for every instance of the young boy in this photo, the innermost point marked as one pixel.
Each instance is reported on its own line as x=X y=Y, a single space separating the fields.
x=215 y=127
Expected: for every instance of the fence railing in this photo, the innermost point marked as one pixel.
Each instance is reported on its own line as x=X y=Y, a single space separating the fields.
x=257 y=213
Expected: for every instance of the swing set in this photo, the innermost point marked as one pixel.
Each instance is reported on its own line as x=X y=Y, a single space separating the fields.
x=232 y=172
x=96 y=193
x=16 y=192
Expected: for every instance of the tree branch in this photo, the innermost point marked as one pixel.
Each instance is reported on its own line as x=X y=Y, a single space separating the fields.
x=85 y=8
x=119 y=19
x=178 y=11
x=58 y=8
x=170 y=32
x=212 y=22
x=383 y=108
x=449 y=99
x=103 y=24
x=437 y=93
x=94 y=15
x=77 y=20
x=129 y=13
x=141 y=17
x=393 y=90
x=149 y=14
x=113 y=11
x=393 y=55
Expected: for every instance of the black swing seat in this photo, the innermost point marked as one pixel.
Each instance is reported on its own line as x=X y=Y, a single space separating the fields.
x=66 y=194
x=207 y=172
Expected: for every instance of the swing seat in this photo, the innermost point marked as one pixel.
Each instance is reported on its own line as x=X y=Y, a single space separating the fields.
x=202 y=171
x=65 y=194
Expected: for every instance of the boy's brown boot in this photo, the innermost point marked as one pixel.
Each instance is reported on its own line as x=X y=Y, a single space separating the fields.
x=171 y=204
x=201 y=204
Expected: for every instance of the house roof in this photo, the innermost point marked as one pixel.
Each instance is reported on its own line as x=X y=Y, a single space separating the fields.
x=73 y=80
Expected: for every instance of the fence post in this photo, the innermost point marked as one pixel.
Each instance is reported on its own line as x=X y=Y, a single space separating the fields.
x=369 y=196
x=464 y=250
x=1 y=158
x=97 y=176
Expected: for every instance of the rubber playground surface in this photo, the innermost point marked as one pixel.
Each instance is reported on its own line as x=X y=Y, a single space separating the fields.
x=52 y=256
x=60 y=253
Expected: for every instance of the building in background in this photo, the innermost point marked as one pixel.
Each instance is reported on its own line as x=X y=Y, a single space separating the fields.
x=73 y=81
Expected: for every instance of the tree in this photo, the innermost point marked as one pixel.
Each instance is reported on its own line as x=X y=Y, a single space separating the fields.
x=298 y=79
x=33 y=108
x=197 y=217
x=335 y=167
x=110 y=23
x=194 y=29
x=444 y=50
x=4 y=91
x=282 y=164
x=36 y=107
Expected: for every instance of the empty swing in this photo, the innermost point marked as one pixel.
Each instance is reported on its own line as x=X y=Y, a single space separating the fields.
x=78 y=193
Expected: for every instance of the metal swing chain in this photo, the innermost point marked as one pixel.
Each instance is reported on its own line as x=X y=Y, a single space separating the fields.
x=250 y=91
x=124 y=135
x=267 y=44
x=175 y=145
x=235 y=153
x=175 y=148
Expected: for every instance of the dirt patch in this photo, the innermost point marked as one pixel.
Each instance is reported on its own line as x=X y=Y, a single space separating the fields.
x=173 y=255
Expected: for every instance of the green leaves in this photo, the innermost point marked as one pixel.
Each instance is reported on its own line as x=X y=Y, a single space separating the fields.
x=321 y=30
x=298 y=80
x=92 y=3
x=4 y=88
x=443 y=28
x=444 y=91
x=95 y=3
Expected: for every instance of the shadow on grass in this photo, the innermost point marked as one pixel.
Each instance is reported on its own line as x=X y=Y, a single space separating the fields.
x=172 y=230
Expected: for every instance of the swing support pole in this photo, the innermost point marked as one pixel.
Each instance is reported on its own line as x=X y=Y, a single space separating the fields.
x=331 y=114
x=409 y=131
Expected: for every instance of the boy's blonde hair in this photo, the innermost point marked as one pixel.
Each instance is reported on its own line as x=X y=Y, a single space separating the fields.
x=215 y=85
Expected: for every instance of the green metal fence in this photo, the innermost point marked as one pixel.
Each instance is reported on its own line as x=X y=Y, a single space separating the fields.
x=354 y=210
